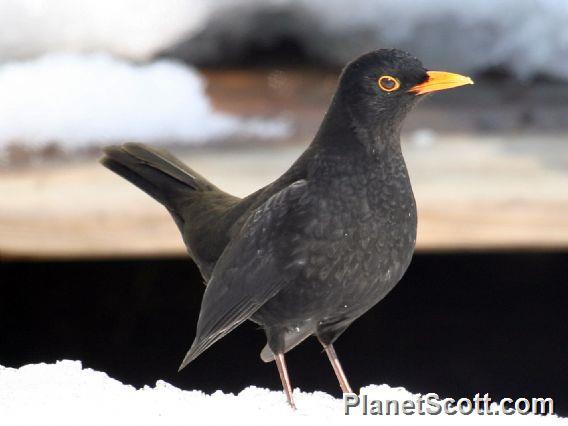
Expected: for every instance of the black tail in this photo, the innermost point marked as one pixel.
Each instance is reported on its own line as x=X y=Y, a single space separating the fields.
x=156 y=172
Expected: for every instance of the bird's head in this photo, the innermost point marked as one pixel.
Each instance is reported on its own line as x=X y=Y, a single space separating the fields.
x=380 y=87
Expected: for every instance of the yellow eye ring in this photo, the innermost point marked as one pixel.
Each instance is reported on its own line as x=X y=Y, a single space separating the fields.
x=388 y=83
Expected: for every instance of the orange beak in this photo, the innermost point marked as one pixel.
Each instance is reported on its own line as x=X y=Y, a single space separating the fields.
x=440 y=80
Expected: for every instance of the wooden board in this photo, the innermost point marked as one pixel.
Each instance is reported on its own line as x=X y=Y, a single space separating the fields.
x=482 y=193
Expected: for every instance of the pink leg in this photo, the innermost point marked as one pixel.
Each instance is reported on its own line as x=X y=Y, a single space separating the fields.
x=281 y=364
x=330 y=351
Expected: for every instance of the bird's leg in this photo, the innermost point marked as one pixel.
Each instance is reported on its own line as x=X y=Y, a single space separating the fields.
x=330 y=351
x=281 y=364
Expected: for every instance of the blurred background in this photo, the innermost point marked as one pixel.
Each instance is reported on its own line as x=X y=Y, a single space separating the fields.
x=93 y=269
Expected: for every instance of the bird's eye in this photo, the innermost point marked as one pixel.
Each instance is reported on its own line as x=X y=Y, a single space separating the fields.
x=388 y=83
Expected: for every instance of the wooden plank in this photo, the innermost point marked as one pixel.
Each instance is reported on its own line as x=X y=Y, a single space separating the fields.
x=482 y=193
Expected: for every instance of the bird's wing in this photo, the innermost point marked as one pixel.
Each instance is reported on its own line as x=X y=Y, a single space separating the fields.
x=254 y=267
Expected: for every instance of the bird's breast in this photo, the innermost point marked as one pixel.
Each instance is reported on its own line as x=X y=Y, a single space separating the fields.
x=357 y=243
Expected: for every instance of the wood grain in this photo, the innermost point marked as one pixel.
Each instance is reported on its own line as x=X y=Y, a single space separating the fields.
x=482 y=193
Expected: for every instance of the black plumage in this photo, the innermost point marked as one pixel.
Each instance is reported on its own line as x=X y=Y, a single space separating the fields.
x=314 y=250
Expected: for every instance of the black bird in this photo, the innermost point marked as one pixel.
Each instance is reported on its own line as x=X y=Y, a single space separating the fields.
x=311 y=252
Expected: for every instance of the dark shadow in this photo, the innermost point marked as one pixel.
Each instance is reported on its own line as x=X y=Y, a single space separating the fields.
x=457 y=324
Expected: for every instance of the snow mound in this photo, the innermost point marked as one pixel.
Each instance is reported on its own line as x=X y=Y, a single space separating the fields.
x=130 y=28
x=527 y=36
x=77 y=100
x=65 y=394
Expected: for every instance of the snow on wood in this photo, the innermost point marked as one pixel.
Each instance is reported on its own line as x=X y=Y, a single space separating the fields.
x=92 y=99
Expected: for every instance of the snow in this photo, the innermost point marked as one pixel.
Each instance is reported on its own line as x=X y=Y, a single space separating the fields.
x=66 y=394
x=528 y=36
x=130 y=28
x=525 y=35
x=83 y=99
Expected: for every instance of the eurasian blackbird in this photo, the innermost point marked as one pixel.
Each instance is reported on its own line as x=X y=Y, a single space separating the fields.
x=315 y=249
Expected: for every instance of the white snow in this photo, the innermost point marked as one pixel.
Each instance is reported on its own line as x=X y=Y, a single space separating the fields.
x=130 y=28
x=530 y=36
x=82 y=99
x=64 y=394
